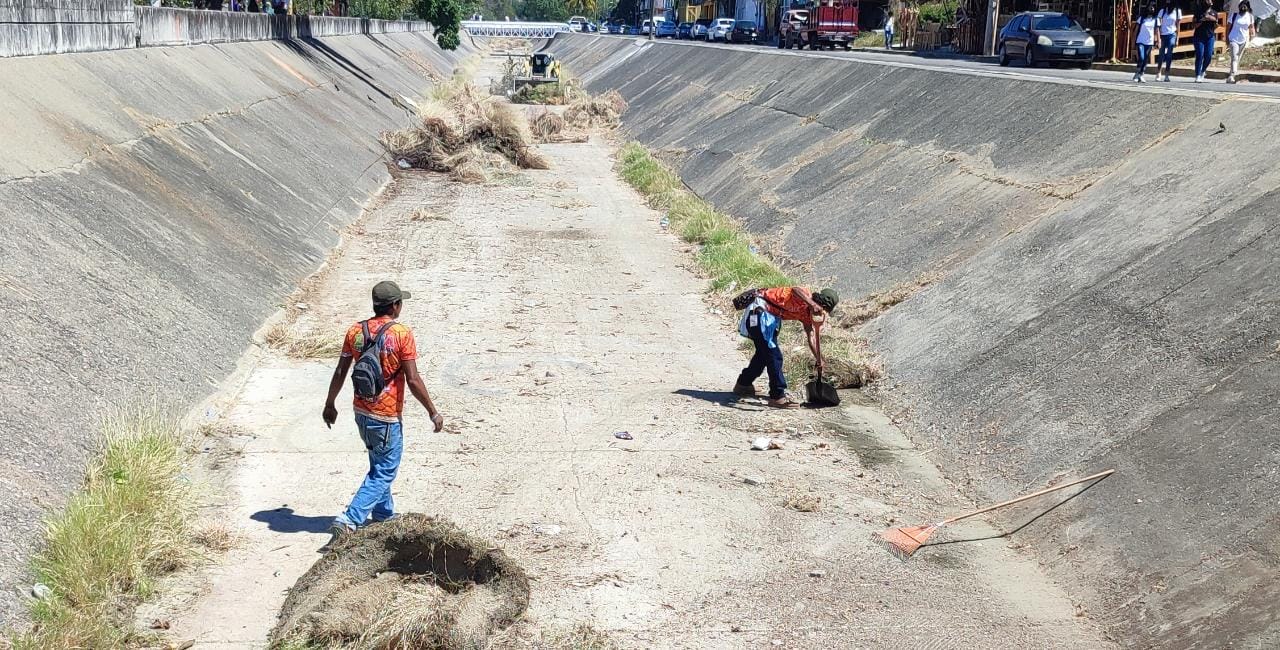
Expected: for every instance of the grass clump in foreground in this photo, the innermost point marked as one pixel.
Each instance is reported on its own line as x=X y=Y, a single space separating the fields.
x=129 y=524
x=728 y=256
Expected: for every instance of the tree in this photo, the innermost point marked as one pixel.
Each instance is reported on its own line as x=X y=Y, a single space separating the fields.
x=445 y=16
x=544 y=10
x=583 y=7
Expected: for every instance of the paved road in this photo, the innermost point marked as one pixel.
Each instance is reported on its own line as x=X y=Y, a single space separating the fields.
x=1091 y=77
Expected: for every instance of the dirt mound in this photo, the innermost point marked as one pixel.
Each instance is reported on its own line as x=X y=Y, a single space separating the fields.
x=413 y=583
x=463 y=134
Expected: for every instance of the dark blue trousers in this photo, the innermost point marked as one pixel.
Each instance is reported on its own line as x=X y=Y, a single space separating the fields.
x=765 y=358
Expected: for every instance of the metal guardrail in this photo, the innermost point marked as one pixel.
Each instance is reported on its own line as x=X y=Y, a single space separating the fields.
x=513 y=28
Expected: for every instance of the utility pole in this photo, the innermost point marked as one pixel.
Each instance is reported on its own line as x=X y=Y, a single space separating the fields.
x=989 y=38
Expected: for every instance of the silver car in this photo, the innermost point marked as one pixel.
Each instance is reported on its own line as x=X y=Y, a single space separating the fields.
x=719 y=30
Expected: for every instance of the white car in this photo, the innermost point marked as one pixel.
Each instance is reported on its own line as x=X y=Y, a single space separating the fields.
x=575 y=26
x=720 y=29
x=647 y=25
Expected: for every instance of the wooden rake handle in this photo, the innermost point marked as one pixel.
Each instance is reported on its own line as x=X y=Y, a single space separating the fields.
x=1028 y=497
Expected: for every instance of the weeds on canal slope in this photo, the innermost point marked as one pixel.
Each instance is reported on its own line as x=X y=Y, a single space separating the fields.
x=728 y=256
x=129 y=524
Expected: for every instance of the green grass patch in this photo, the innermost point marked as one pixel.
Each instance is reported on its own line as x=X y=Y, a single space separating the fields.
x=728 y=256
x=129 y=524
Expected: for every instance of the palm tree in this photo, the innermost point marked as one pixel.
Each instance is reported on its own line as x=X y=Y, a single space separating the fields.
x=583 y=7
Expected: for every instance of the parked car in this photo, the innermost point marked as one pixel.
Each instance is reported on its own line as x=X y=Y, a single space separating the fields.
x=719 y=30
x=1038 y=37
x=685 y=31
x=700 y=27
x=666 y=29
x=744 y=31
x=575 y=26
x=825 y=26
x=648 y=25
x=618 y=27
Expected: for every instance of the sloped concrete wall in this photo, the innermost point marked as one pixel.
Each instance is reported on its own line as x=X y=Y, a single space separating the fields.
x=1108 y=295
x=158 y=205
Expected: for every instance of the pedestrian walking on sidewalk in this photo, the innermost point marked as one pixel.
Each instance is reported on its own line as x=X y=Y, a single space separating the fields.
x=1240 y=30
x=1206 y=21
x=763 y=313
x=385 y=360
x=888 y=30
x=1146 y=39
x=1170 y=17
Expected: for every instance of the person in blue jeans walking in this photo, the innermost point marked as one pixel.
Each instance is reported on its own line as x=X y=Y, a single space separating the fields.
x=378 y=419
x=1206 y=21
x=1170 y=17
x=1146 y=39
x=888 y=31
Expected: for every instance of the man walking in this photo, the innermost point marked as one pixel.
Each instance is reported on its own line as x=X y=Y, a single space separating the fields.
x=385 y=356
x=761 y=322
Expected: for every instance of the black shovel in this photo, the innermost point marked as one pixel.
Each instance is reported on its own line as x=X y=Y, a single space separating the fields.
x=820 y=391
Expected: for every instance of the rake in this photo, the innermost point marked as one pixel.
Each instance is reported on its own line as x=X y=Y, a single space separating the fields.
x=904 y=542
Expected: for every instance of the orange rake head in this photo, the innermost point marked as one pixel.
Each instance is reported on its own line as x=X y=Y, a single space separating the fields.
x=904 y=542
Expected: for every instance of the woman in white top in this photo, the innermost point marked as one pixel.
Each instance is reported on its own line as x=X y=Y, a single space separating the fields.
x=1146 y=40
x=1170 y=17
x=1240 y=30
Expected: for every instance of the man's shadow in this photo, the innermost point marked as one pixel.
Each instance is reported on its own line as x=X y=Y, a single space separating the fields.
x=283 y=520
x=723 y=398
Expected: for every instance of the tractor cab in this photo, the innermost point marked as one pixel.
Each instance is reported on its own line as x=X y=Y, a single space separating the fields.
x=542 y=64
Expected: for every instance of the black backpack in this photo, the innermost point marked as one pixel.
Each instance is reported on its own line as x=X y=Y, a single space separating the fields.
x=749 y=296
x=367 y=379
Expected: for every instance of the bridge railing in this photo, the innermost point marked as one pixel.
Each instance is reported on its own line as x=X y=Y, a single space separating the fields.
x=513 y=28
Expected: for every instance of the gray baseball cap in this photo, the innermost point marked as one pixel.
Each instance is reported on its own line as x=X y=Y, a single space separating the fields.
x=388 y=292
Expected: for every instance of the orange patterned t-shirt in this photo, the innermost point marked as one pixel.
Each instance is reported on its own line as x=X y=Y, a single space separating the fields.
x=397 y=346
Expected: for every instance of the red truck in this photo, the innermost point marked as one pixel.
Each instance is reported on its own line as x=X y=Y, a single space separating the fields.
x=825 y=23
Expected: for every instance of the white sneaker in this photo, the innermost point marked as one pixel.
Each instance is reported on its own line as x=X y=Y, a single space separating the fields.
x=1142 y=79
x=1231 y=79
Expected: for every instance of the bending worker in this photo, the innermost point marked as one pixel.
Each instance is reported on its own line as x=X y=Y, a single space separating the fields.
x=764 y=312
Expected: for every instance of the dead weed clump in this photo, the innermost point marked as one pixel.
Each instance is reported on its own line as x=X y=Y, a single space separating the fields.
x=803 y=502
x=546 y=125
x=301 y=346
x=463 y=134
x=596 y=111
x=878 y=303
x=413 y=582
x=582 y=636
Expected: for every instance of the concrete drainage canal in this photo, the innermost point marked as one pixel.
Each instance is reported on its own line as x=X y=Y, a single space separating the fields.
x=414 y=582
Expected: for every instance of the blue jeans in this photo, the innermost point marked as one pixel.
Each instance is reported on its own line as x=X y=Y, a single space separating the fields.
x=385 y=441
x=1165 y=58
x=1204 y=54
x=1144 y=53
x=888 y=39
x=765 y=358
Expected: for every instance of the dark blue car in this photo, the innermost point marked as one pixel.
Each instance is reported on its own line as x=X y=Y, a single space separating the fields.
x=685 y=31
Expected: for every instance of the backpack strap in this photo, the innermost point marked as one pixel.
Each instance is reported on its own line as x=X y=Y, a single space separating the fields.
x=375 y=339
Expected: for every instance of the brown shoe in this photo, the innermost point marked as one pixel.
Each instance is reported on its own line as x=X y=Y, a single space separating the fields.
x=744 y=390
x=784 y=403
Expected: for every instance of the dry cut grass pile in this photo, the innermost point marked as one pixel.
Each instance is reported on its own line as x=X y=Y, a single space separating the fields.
x=413 y=583
x=596 y=111
x=466 y=136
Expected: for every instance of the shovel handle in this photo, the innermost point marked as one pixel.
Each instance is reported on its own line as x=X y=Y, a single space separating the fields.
x=1028 y=497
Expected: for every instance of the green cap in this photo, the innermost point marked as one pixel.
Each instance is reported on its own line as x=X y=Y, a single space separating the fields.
x=388 y=292
x=827 y=299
